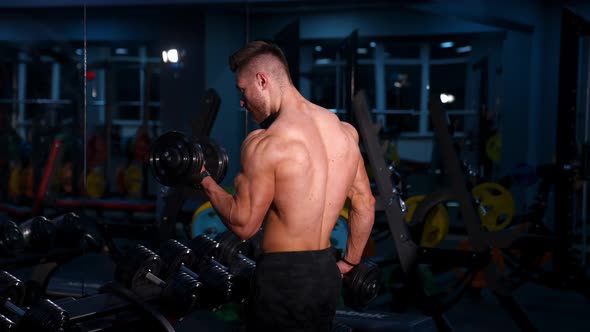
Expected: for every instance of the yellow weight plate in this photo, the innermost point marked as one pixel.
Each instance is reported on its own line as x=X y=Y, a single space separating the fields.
x=392 y=154
x=436 y=225
x=133 y=180
x=494 y=147
x=26 y=178
x=206 y=221
x=95 y=183
x=411 y=204
x=495 y=205
x=14 y=182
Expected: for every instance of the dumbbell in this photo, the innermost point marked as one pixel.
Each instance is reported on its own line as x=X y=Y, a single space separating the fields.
x=39 y=233
x=43 y=316
x=138 y=270
x=233 y=252
x=175 y=159
x=71 y=232
x=231 y=246
x=360 y=285
x=11 y=237
x=219 y=281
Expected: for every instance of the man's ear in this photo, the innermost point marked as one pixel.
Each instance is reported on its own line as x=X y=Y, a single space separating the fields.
x=262 y=80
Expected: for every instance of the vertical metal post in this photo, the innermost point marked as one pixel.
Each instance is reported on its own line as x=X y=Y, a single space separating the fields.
x=381 y=99
x=21 y=93
x=425 y=88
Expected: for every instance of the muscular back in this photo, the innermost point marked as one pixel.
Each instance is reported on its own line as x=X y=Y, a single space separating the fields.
x=312 y=158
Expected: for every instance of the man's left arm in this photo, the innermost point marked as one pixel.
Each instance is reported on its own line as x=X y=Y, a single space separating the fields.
x=244 y=211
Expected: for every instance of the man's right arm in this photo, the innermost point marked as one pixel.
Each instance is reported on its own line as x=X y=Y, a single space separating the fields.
x=361 y=216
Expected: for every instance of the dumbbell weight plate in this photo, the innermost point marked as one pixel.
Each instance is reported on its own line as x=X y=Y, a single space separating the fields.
x=70 y=230
x=181 y=294
x=216 y=158
x=11 y=288
x=361 y=285
x=11 y=237
x=39 y=233
x=230 y=245
x=44 y=316
x=6 y=325
x=204 y=248
x=173 y=255
x=175 y=159
x=131 y=270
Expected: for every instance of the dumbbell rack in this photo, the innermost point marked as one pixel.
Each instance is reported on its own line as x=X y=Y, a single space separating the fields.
x=105 y=310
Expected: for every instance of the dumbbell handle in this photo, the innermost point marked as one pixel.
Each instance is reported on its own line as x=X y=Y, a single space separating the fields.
x=246 y=258
x=15 y=309
x=189 y=272
x=154 y=278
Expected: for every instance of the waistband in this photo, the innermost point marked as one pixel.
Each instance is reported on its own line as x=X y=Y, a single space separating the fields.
x=303 y=256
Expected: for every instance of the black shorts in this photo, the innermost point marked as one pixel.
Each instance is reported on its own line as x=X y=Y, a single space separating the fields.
x=294 y=291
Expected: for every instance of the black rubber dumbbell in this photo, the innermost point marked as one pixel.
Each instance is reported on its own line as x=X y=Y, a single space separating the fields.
x=233 y=253
x=360 y=285
x=176 y=159
x=44 y=316
x=138 y=270
x=39 y=233
x=218 y=282
x=11 y=238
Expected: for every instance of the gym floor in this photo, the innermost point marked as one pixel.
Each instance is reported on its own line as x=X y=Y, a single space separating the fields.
x=548 y=309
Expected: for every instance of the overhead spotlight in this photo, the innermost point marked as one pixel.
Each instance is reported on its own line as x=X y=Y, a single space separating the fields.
x=463 y=49
x=173 y=55
x=170 y=56
x=121 y=51
x=318 y=48
x=323 y=61
x=372 y=44
x=446 y=98
x=447 y=44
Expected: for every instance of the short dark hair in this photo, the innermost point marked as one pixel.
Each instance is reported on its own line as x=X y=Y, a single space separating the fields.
x=253 y=49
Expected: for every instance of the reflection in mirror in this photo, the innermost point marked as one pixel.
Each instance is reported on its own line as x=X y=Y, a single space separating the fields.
x=123 y=105
x=41 y=99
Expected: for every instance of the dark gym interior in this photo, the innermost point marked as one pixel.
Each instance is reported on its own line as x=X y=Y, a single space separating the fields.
x=474 y=124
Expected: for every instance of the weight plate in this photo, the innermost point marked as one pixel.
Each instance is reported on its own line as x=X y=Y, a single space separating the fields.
x=175 y=159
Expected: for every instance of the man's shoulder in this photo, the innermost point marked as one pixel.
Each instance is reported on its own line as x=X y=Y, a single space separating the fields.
x=262 y=140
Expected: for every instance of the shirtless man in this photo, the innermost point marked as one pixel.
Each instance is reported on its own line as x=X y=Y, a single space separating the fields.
x=296 y=176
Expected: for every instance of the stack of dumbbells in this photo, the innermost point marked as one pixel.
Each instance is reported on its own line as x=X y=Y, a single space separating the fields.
x=207 y=273
x=168 y=283
x=40 y=236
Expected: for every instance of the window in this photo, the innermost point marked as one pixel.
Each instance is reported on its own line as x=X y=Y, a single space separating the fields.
x=398 y=76
x=449 y=79
x=323 y=86
x=402 y=87
x=366 y=81
x=6 y=81
x=129 y=89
